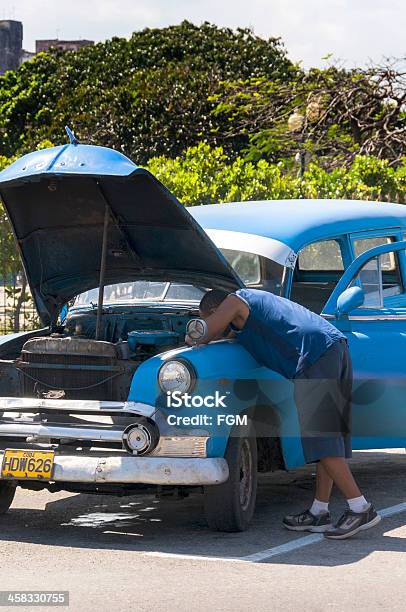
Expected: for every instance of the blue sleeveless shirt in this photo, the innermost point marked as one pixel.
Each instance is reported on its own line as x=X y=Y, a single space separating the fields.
x=283 y=335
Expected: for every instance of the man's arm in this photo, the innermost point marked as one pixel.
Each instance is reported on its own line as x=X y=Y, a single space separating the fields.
x=219 y=321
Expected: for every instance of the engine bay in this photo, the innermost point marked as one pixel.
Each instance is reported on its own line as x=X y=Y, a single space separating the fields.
x=70 y=363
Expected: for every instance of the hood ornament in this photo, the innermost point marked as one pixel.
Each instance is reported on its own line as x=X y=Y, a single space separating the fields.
x=72 y=138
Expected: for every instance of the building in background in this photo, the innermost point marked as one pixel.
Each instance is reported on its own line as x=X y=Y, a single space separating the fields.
x=11 y=45
x=64 y=45
x=27 y=55
x=12 y=54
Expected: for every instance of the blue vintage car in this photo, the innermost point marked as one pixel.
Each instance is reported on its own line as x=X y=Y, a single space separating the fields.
x=106 y=397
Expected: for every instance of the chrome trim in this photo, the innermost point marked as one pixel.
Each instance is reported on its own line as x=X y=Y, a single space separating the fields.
x=181 y=446
x=38 y=433
x=168 y=446
x=368 y=318
x=145 y=470
x=16 y=404
x=252 y=243
x=377 y=318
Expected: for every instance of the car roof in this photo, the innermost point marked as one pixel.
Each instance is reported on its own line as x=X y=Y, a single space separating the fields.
x=299 y=222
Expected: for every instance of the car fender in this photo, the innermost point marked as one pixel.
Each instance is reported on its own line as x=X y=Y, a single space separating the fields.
x=226 y=367
x=14 y=342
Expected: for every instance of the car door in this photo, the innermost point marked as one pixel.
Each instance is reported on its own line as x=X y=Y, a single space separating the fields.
x=369 y=306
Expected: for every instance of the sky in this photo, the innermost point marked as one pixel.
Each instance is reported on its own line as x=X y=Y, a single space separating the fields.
x=354 y=31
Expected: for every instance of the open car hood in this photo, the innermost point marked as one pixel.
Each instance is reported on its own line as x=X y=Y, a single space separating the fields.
x=56 y=201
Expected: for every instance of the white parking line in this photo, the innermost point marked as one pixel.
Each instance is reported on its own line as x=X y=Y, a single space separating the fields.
x=163 y=555
x=284 y=548
x=268 y=553
x=393 y=510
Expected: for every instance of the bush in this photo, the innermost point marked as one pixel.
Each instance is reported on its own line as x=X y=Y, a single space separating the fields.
x=204 y=175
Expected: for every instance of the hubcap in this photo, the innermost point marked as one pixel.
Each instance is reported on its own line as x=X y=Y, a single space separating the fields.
x=245 y=475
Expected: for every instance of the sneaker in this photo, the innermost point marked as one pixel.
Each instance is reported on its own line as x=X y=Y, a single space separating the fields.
x=306 y=521
x=351 y=523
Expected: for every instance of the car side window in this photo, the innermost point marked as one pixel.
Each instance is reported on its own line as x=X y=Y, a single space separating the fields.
x=247 y=265
x=388 y=260
x=318 y=269
x=256 y=271
x=389 y=270
x=378 y=292
x=323 y=255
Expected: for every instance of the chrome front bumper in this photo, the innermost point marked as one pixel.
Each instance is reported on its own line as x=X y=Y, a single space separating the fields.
x=178 y=460
x=18 y=420
x=145 y=470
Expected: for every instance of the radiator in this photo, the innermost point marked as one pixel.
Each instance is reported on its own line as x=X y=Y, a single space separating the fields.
x=79 y=367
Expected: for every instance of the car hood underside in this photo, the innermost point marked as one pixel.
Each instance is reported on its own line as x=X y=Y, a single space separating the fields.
x=57 y=199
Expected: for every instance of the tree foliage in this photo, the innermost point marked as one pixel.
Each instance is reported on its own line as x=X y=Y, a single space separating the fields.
x=333 y=114
x=145 y=96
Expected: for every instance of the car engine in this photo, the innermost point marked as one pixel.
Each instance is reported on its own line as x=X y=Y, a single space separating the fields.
x=69 y=363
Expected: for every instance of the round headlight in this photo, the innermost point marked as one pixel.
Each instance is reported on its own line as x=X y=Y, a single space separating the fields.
x=175 y=376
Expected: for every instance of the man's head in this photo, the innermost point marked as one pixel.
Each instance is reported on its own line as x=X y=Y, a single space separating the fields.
x=211 y=301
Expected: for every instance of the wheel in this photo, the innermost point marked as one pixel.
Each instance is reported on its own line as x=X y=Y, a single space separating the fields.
x=7 y=492
x=230 y=506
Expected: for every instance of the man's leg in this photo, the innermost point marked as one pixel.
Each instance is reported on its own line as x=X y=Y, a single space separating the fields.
x=324 y=483
x=360 y=514
x=317 y=518
x=323 y=398
x=337 y=469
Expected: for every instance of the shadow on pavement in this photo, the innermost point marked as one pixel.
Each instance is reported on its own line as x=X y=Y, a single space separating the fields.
x=143 y=523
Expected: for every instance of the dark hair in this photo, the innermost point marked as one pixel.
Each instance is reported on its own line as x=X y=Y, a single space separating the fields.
x=212 y=299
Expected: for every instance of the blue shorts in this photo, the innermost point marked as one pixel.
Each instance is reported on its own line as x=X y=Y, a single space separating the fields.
x=323 y=399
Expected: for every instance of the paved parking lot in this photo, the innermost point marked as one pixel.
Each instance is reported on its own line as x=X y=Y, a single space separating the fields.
x=141 y=553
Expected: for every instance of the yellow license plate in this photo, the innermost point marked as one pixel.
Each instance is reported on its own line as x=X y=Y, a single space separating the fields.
x=23 y=464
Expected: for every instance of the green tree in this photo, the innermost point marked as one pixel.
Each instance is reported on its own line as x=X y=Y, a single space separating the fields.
x=144 y=96
x=331 y=115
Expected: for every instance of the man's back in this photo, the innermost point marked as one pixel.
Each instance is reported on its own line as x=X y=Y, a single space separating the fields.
x=283 y=335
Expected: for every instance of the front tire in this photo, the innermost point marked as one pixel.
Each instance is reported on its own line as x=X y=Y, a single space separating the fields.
x=7 y=492
x=230 y=506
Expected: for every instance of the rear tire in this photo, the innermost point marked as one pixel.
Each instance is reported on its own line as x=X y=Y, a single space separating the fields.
x=230 y=506
x=7 y=492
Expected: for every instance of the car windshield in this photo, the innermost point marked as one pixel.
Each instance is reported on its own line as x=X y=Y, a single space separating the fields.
x=141 y=291
x=254 y=270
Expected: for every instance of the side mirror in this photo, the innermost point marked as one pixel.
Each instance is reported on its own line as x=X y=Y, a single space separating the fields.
x=349 y=300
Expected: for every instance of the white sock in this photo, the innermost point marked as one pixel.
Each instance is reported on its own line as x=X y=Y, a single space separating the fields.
x=358 y=504
x=319 y=507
